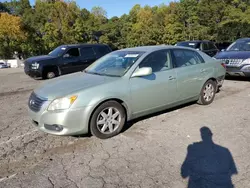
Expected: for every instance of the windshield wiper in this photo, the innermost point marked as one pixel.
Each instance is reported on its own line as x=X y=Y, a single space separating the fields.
x=101 y=74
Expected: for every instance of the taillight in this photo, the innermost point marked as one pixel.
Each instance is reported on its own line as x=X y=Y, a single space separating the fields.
x=223 y=65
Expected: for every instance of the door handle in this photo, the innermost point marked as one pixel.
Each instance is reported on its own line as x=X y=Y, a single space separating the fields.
x=171 y=78
x=203 y=70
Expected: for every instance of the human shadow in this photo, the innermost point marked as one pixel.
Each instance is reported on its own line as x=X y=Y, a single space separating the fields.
x=208 y=165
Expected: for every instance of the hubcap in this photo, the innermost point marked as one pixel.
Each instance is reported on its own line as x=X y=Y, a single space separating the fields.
x=208 y=92
x=51 y=75
x=108 y=120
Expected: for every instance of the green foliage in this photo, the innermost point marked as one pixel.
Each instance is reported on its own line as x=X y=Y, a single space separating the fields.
x=54 y=22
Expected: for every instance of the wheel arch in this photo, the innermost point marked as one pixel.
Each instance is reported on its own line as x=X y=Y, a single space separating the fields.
x=120 y=101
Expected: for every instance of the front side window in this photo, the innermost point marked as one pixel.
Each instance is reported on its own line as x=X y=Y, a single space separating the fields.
x=73 y=52
x=185 y=58
x=158 y=61
x=114 y=64
x=239 y=46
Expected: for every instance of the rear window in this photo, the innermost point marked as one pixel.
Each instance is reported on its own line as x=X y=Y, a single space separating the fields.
x=188 y=44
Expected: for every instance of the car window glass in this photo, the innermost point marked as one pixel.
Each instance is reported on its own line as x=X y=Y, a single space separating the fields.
x=158 y=61
x=211 y=46
x=88 y=52
x=73 y=52
x=205 y=46
x=185 y=58
x=103 y=50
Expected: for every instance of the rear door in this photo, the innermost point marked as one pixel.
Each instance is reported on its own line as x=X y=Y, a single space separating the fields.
x=190 y=70
x=88 y=56
x=70 y=60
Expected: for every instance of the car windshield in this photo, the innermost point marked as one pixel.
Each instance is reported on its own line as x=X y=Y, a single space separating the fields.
x=58 y=51
x=239 y=46
x=188 y=44
x=114 y=64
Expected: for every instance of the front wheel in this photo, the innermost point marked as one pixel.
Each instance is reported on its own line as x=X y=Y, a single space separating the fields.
x=207 y=93
x=107 y=120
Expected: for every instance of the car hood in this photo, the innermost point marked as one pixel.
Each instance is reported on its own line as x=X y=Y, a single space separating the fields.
x=69 y=84
x=233 y=55
x=39 y=58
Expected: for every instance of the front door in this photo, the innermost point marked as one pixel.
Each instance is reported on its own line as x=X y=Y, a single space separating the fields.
x=70 y=61
x=190 y=70
x=157 y=90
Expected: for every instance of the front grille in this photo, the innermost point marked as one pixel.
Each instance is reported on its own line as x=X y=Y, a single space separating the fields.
x=232 y=62
x=35 y=103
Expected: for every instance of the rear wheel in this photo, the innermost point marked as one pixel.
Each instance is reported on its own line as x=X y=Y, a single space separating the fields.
x=107 y=120
x=207 y=93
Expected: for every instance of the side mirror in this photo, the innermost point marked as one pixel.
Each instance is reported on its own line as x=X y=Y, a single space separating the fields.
x=223 y=50
x=66 y=56
x=144 y=71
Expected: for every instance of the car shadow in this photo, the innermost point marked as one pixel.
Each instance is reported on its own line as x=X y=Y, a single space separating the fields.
x=208 y=165
x=237 y=78
x=129 y=124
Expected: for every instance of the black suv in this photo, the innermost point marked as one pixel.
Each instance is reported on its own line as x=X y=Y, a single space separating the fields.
x=205 y=46
x=64 y=59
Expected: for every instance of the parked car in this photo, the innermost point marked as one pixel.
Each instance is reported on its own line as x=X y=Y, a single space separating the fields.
x=124 y=85
x=64 y=59
x=237 y=58
x=4 y=65
x=205 y=46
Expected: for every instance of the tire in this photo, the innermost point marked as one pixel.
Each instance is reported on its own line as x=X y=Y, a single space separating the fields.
x=49 y=74
x=111 y=122
x=207 y=98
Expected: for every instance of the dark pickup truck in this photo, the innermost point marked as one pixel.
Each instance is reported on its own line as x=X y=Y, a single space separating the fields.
x=64 y=59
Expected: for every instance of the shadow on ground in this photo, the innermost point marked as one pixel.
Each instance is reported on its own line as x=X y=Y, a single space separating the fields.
x=237 y=78
x=131 y=123
x=208 y=165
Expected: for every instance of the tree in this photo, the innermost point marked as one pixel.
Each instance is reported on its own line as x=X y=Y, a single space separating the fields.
x=11 y=34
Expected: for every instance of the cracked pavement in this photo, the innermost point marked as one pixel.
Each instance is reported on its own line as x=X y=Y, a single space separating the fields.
x=148 y=154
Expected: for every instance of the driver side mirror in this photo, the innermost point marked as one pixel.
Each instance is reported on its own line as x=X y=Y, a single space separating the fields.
x=66 y=55
x=223 y=50
x=144 y=71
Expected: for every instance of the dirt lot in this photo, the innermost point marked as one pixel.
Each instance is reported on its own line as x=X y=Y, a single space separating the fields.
x=150 y=153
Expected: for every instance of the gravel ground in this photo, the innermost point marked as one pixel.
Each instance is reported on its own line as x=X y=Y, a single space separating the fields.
x=149 y=153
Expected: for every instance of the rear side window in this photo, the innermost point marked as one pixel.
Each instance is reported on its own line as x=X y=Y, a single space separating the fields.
x=184 y=58
x=212 y=46
x=88 y=52
x=103 y=50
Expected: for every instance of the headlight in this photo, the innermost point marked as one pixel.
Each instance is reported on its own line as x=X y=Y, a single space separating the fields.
x=35 y=65
x=62 y=103
x=246 y=61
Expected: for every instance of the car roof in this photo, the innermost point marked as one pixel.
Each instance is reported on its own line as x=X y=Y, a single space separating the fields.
x=195 y=41
x=154 y=48
x=84 y=44
x=243 y=39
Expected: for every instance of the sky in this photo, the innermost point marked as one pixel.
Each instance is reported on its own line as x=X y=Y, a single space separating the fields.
x=116 y=7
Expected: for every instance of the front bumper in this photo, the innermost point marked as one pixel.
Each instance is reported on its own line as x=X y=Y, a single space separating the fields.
x=33 y=73
x=66 y=122
x=243 y=71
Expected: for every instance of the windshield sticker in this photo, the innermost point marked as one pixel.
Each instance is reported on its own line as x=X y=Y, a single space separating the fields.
x=63 y=48
x=132 y=55
x=191 y=44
